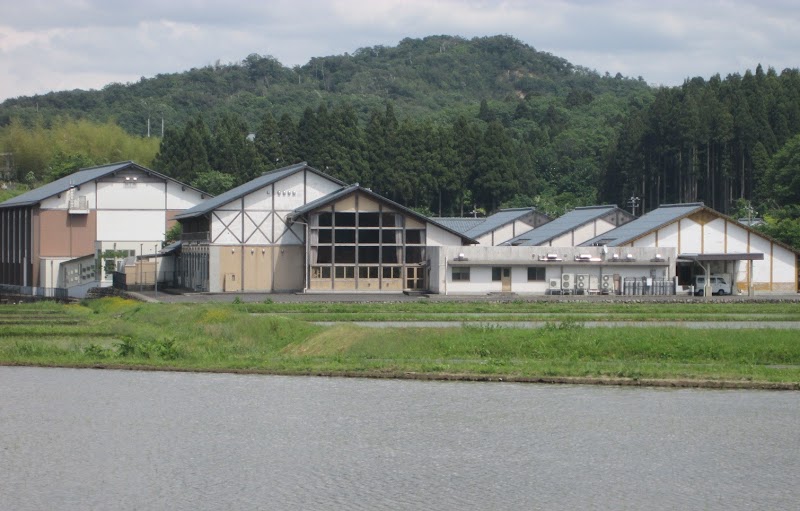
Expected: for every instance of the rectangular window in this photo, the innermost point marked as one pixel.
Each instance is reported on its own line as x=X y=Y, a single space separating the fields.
x=345 y=235
x=321 y=272
x=497 y=274
x=415 y=254
x=461 y=273
x=536 y=273
x=368 y=272
x=391 y=272
x=344 y=272
x=415 y=237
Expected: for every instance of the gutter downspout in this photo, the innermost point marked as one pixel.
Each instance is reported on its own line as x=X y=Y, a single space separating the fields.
x=445 y=275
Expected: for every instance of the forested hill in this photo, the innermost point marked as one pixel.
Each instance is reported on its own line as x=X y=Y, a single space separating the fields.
x=434 y=76
x=444 y=125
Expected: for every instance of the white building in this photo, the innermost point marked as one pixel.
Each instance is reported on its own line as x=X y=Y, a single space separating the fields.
x=551 y=270
x=297 y=229
x=708 y=242
x=104 y=214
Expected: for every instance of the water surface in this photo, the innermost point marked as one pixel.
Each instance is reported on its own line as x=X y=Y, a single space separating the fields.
x=89 y=439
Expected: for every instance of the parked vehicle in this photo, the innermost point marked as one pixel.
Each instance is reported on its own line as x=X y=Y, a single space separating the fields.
x=719 y=285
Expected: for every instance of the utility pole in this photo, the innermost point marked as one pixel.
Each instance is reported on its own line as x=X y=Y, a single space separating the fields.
x=633 y=202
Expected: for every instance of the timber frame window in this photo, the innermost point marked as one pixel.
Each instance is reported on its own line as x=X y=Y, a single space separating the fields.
x=370 y=248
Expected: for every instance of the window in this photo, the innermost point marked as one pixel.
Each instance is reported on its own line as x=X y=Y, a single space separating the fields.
x=344 y=272
x=461 y=274
x=497 y=274
x=536 y=273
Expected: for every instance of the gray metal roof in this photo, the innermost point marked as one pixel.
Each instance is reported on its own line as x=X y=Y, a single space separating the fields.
x=251 y=186
x=561 y=225
x=459 y=224
x=338 y=194
x=665 y=214
x=499 y=219
x=65 y=183
x=476 y=227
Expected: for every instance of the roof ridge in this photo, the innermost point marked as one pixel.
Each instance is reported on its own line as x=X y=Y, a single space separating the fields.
x=680 y=205
x=598 y=206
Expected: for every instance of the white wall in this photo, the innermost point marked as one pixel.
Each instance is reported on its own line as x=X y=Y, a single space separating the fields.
x=503 y=233
x=292 y=235
x=761 y=269
x=714 y=236
x=288 y=193
x=436 y=236
x=584 y=233
x=182 y=197
x=737 y=239
x=690 y=234
x=318 y=186
x=784 y=268
x=668 y=236
x=131 y=226
x=87 y=190
x=141 y=195
x=264 y=220
x=646 y=241
x=601 y=226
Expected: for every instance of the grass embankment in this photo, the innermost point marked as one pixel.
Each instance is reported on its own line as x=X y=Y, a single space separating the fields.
x=117 y=333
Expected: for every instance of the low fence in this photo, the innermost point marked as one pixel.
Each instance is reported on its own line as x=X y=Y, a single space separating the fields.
x=56 y=293
x=145 y=281
x=645 y=286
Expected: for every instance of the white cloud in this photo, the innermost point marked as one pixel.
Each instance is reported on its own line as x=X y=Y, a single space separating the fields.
x=65 y=44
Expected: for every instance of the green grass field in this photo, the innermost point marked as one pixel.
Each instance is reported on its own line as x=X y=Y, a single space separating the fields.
x=277 y=338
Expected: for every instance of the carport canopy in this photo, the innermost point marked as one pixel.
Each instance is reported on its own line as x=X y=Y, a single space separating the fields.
x=742 y=256
x=707 y=258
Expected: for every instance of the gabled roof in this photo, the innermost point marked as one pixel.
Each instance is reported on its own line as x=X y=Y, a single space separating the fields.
x=347 y=190
x=663 y=216
x=499 y=219
x=457 y=223
x=476 y=227
x=251 y=186
x=77 y=179
x=645 y=224
x=562 y=225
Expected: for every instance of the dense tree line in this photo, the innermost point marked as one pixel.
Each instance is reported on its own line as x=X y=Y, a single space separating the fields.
x=533 y=155
x=709 y=141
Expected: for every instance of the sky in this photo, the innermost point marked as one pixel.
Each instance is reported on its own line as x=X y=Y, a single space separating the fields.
x=54 y=45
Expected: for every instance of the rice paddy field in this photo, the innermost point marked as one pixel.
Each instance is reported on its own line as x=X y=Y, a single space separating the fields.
x=280 y=338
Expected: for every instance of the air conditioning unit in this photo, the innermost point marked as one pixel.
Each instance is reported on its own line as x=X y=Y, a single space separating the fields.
x=581 y=282
x=606 y=283
x=555 y=285
x=567 y=280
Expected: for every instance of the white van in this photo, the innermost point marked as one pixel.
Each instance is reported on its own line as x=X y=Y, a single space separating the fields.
x=720 y=285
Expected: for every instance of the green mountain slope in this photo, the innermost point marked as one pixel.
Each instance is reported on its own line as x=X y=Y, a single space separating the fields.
x=438 y=76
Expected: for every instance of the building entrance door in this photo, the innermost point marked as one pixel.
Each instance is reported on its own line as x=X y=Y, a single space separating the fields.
x=506 y=279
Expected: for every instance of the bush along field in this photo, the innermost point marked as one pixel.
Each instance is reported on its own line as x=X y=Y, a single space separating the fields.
x=115 y=333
